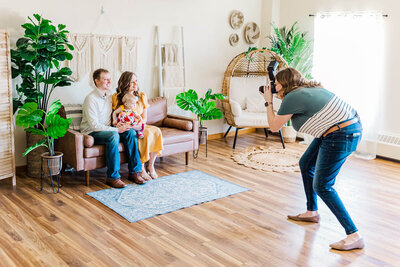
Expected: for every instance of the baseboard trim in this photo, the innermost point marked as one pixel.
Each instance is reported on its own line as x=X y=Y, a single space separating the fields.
x=232 y=133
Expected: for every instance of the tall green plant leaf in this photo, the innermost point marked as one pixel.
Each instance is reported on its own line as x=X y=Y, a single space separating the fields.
x=38 y=144
x=29 y=115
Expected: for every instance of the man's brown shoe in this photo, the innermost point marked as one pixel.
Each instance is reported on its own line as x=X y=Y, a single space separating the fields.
x=136 y=178
x=313 y=219
x=117 y=183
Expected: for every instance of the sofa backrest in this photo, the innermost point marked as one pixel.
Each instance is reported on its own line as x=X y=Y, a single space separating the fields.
x=157 y=111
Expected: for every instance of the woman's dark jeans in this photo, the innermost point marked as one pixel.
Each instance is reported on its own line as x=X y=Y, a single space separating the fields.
x=320 y=165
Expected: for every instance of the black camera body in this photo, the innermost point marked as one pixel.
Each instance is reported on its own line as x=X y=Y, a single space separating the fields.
x=271 y=75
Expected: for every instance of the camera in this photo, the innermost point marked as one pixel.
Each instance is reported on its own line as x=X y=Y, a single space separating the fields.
x=271 y=75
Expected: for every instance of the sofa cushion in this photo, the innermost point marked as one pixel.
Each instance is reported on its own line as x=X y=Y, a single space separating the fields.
x=178 y=124
x=172 y=136
x=157 y=111
x=98 y=150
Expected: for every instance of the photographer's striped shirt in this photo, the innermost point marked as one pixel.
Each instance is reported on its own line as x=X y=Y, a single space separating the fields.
x=315 y=110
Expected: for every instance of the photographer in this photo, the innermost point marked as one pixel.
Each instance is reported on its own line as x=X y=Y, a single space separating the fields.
x=337 y=130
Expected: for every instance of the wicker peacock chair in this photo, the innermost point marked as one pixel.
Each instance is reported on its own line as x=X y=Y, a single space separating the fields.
x=242 y=78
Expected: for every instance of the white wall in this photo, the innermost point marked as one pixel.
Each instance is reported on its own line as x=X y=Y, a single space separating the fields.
x=206 y=27
x=291 y=11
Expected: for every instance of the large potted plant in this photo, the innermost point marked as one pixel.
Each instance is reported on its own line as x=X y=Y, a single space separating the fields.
x=30 y=117
x=297 y=51
x=204 y=108
x=36 y=64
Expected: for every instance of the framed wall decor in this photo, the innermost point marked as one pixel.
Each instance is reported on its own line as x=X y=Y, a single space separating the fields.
x=251 y=32
x=234 y=39
x=236 y=19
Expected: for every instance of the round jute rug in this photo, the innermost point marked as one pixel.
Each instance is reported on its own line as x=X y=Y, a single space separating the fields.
x=268 y=159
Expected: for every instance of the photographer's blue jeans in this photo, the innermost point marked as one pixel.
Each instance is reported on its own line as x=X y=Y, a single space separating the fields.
x=111 y=139
x=320 y=165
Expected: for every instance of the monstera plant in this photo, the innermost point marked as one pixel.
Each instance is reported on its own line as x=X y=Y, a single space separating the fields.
x=204 y=108
x=29 y=117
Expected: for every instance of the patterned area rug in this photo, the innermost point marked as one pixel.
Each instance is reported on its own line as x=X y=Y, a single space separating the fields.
x=268 y=159
x=165 y=194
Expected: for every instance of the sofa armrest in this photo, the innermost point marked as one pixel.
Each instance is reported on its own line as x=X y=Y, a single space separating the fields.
x=71 y=145
x=195 y=128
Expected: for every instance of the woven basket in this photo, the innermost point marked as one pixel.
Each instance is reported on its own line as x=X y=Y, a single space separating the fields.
x=33 y=157
x=255 y=64
x=51 y=165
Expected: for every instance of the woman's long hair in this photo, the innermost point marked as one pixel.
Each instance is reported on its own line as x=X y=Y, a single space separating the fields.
x=124 y=83
x=291 y=79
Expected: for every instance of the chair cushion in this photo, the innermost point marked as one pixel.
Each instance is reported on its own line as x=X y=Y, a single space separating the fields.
x=242 y=87
x=74 y=111
x=255 y=104
x=236 y=108
x=252 y=119
x=157 y=111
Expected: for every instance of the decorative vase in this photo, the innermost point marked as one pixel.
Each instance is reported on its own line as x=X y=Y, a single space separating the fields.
x=51 y=165
x=33 y=157
x=289 y=134
x=203 y=134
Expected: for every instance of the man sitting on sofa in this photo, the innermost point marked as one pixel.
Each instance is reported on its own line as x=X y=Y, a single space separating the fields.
x=96 y=121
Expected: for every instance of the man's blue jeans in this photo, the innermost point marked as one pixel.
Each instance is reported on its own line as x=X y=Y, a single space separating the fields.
x=320 y=165
x=111 y=139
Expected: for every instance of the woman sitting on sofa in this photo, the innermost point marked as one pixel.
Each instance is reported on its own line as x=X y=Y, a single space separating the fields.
x=152 y=144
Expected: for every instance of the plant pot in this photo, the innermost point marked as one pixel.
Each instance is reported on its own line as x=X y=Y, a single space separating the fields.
x=203 y=134
x=289 y=134
x=51 y=165
x=33 y=158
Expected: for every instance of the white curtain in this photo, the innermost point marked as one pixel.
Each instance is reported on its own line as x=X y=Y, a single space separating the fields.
x=348 y=60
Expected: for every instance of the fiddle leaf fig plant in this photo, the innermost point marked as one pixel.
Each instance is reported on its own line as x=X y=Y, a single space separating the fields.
x=204 y=108
x=29 y=117
x=36 y=60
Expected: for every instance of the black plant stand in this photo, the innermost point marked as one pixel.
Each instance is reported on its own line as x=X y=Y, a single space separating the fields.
x=50 y=175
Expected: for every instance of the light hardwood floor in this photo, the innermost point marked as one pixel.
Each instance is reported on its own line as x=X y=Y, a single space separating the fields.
x=250 y=228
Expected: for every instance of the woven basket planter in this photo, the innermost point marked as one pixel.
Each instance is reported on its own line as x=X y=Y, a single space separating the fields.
x=33 y=158
x=51 y=165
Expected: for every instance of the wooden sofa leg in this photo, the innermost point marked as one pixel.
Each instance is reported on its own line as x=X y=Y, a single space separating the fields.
x=87 y=175
x=187 y=158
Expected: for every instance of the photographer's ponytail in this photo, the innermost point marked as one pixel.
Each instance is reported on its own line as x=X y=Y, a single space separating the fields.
x=291 y=79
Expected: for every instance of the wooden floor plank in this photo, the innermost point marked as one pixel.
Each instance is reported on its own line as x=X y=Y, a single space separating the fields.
x=250 y=229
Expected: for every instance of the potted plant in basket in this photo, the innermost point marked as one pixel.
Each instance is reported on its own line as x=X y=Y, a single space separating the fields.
x=36 y=64
x=204 y=108
x=54 y=126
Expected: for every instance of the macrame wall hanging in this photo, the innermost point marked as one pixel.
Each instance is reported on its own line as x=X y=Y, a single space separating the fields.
x=81 y=62
x=128 y=53
x=92 y=51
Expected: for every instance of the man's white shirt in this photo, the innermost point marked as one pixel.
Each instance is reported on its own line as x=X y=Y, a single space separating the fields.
x=96 y=112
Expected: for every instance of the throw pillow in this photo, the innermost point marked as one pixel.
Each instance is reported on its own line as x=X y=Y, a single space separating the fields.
x=74 y=111
x=255 y=104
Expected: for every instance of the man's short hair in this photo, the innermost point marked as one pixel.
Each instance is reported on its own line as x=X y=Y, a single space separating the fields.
x=97 y=73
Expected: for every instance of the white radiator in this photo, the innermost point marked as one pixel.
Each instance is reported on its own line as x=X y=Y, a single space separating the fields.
x=388 y=145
